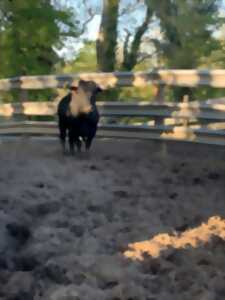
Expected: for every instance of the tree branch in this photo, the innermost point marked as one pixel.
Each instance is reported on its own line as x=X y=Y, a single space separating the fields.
x=126 y=44
x=128 y=10
x=130 y=60
x=143 y=56
x=91 y=15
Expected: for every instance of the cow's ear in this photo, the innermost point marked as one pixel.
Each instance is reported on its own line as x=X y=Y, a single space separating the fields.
x=99 y=90
x=81 y=82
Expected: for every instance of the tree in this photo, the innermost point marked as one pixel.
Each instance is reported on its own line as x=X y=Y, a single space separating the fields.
x=30 y=33
x=187 y=28
x=107 y=38
x=85 y=61
x=110 y=40
x=131 y=50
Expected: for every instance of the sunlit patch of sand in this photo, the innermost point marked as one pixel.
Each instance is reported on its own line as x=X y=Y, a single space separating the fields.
x=193 y=237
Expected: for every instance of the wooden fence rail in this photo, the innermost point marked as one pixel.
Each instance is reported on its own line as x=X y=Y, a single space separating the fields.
x=160 y=132
x=183 y=114
x=190 y=110
x=187 y=78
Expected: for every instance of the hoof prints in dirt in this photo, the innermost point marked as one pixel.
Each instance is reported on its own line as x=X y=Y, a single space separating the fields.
x=20 y=286
x=177 y=274
x=121 y=194
x=213 y=176
x=25 y=263
x=84 y=213
x=19 y=231
x=43 y=208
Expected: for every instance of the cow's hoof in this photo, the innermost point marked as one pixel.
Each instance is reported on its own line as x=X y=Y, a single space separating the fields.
x=64 y=153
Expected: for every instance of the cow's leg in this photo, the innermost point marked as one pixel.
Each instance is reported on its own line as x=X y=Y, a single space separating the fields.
x=91 y=134
x=62 y=135
x=78 y=144
x=88 y=143
x=71 y=141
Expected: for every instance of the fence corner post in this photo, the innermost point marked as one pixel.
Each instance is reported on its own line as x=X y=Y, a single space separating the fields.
x=187 y=131
x=185 y=119
x=23 y=96
x=159 y=98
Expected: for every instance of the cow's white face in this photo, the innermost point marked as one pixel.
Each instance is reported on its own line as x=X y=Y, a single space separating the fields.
x=81 y=97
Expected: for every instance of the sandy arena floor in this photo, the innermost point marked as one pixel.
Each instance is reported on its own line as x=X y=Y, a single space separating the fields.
x=132 y=220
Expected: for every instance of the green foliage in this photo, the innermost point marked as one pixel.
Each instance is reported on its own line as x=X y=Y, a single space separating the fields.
x=136 y=94
x=85 y=61
x=29 y=33
x=187 y=28
x=188 y=41
x=216 y=59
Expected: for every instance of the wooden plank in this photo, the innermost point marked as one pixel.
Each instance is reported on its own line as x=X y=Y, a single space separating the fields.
x=117 y=109
x=202 y=135
x=188 y=78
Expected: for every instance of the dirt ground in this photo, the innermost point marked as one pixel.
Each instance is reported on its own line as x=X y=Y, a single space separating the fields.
x=132 y=220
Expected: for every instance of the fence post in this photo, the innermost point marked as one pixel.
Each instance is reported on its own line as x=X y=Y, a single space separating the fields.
x=159 y=97
x=185 y=119
x=23 y=96
x=187 y=132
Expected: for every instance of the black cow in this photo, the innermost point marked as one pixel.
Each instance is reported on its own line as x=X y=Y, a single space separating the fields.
x=78 y=115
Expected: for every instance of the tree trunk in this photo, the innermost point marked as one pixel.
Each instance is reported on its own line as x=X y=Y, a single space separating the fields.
x=107 y=38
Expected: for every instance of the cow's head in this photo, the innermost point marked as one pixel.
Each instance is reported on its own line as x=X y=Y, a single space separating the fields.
x=83 y=97
x=89 y=87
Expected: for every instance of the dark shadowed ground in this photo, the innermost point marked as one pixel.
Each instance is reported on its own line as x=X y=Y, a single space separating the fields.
x=66 y=222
